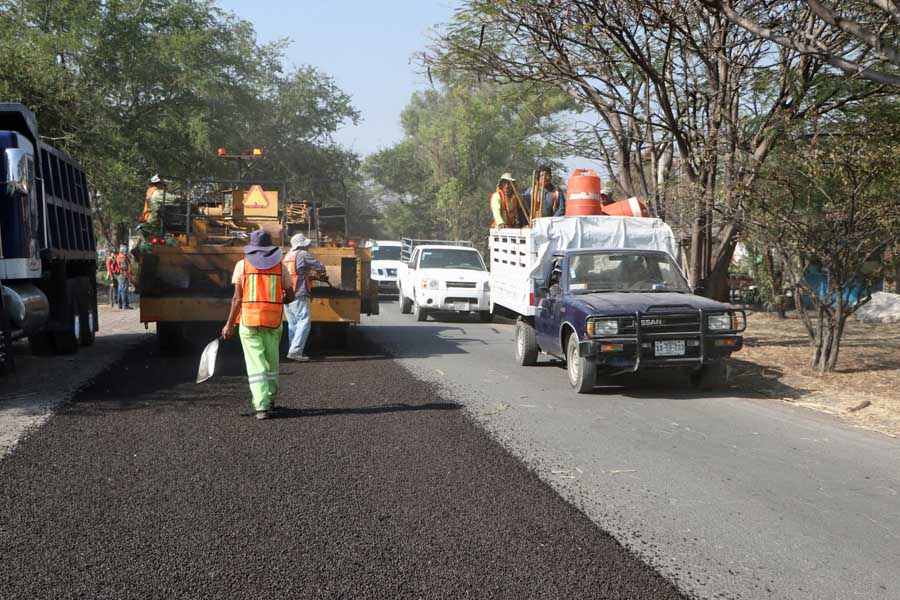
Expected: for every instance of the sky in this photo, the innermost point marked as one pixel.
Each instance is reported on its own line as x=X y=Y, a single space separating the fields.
x=366 y=46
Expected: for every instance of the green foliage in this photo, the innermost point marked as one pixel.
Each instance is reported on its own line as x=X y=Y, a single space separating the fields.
x=457 y=141
x=134 y=87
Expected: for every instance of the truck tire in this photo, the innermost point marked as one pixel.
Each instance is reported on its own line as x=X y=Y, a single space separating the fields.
x=486 y=316
x=85 y=293
x=582 y=372
x=526 y=344
x=405 y=304
x=66 y=340
x=710 y=376
x=421 y=313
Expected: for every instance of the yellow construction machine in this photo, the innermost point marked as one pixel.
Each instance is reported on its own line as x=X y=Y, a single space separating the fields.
x=186 y=266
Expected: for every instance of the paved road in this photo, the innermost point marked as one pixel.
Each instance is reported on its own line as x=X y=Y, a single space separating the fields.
x=729 y=497
x=368 y=485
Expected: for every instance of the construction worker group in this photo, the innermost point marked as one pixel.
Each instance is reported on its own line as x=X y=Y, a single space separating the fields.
x=512 y=211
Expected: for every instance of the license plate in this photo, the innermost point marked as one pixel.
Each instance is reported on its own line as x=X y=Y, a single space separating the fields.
x=461 y=306
x=670 y=348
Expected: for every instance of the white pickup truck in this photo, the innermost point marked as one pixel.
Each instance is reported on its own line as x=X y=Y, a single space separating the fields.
x=436 y=276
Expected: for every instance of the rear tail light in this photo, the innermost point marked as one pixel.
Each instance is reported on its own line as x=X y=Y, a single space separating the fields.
x=531 y=301
x=154 y=241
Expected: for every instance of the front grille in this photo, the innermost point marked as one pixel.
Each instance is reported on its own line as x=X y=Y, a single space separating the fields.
x=461 y=284
x=663 y=323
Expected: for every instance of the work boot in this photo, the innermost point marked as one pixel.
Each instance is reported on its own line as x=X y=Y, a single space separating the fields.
x=298 y=357
x=262 y=414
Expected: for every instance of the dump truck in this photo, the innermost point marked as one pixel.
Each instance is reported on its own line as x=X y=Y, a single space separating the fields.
x=186 y=266
x=48 y=254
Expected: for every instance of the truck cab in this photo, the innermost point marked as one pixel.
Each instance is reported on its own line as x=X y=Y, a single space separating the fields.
x=612 y=311
x=444 y=278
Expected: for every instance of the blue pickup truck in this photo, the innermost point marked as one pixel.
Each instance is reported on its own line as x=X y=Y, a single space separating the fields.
x=608 y=312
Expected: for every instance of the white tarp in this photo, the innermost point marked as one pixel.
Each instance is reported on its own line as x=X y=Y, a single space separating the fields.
x=552 y=234
x=884 y=307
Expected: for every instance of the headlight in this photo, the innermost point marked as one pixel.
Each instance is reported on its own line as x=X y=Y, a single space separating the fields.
x=718 y=322
x=602 y=327
x=381 y=271
x=431 y=284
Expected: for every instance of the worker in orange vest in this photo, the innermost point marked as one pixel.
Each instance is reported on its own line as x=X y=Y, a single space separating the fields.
x=153 y=201
x=553 y=204
x=300 y=264
x=503 y=203
x=262 y=285
x=122 y=269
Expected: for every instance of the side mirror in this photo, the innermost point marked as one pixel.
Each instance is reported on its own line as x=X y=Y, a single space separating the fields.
x=699 y=290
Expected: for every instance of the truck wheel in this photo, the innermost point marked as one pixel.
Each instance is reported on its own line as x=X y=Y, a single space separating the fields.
x=405 y=304
x=66 y=341
x=526 y=344
x=421 y=313
x=710 y=376
x=486 y=316
x=582 y=372
x=87 y=315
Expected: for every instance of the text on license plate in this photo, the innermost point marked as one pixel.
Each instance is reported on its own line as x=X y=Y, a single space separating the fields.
x=670 y=348
x=463 y=306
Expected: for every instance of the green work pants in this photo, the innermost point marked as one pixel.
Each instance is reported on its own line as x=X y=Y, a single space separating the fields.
x=261 y=355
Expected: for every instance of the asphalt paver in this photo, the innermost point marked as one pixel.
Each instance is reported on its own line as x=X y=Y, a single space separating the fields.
x=367 y=484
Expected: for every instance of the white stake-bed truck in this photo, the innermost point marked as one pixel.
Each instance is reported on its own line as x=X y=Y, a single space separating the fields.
x=606 y=295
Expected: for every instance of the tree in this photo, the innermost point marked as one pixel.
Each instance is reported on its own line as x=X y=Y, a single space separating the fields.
x=457 y=141
x=135 y=87
x=829 y=208
x=662 y=77
x=858 y=38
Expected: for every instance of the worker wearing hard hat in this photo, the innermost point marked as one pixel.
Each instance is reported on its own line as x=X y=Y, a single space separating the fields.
x=153 y=201
x=262 y=285
x=504 y=207
x=606 y=196
x=553 y=204
x=300 y=264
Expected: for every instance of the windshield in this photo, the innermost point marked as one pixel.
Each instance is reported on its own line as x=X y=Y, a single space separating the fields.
x=625 y=272
x=386 y=253
x=446 y=258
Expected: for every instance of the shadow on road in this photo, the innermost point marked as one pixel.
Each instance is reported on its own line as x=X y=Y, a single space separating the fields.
x=293 y=413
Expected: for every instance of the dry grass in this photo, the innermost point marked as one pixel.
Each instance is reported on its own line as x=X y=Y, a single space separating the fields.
x=775 y=362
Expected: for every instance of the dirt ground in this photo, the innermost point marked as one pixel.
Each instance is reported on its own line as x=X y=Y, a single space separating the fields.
x=775 y=363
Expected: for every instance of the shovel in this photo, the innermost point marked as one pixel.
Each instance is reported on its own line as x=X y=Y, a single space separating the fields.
x=208 y=360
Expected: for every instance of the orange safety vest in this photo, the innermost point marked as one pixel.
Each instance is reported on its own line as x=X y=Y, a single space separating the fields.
x=146 y=214
x=119 y=257
x=504 y=206
x=262 y=300
x=290 y=261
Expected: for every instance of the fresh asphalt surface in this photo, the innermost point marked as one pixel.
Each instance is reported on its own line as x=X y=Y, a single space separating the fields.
x=729 y=496
x=369 y=484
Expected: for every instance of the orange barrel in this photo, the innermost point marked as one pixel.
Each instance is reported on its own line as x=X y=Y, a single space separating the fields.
x=583 y=194
x=626 y=208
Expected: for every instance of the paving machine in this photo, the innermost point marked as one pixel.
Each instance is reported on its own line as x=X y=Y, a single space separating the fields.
x=187 y=264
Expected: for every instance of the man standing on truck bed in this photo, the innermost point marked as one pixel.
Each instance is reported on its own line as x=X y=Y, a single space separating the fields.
x=501 y=200
x=553 y=204
x=300 y=263
x=153 y=202
x=262 y=284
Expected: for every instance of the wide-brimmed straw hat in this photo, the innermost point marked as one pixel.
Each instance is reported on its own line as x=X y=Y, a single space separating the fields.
x=507 y=177
x=261 y=252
